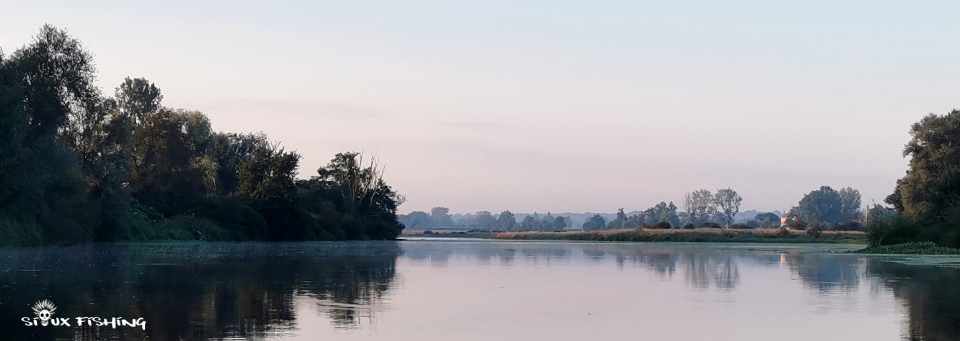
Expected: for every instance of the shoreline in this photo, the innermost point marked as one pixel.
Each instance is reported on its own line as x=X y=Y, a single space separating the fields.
x=693 y=235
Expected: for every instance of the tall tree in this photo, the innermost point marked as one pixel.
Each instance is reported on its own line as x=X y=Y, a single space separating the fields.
x=823 y=205
x=850 y=204
x=700 y=206
x=440 y=216
x=486 y=220
x=929 y=186
x=44 y=86
x=594 y=223
x=506 y=221
x=728 y=204
x=138 y=98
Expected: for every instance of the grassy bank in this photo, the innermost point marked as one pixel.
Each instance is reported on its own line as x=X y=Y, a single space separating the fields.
x=921 y=248
x=694 y=235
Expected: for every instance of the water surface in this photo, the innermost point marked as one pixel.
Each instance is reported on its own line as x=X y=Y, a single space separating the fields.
x=479 y=290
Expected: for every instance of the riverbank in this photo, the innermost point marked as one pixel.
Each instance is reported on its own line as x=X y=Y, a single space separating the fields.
x=921 y=248
x=694 y=235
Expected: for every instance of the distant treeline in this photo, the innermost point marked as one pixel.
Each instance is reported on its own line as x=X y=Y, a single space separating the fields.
x=79 y=166
x=439 y=217
x=821 y=209
x=824 y=208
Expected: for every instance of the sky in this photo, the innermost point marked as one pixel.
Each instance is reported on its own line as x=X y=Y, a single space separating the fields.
x=561 y=106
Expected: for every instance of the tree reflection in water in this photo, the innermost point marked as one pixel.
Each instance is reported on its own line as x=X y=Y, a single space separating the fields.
x=931 y=296
x=195 y=291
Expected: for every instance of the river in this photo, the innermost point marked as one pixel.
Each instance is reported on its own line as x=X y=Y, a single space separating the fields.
x=460 y=289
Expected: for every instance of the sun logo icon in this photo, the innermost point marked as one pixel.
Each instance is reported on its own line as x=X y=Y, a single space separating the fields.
x=44 y=310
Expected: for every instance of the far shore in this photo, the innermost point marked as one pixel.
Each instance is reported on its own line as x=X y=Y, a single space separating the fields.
x=694 y=235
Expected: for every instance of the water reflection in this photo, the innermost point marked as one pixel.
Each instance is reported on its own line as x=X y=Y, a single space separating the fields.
x=931 y=296
x=193 y=291
x=265 y=291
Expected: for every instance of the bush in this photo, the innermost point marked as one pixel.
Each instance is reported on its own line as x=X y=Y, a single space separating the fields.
x=739 y=227
x=848 y=226
x=815 y=230
x=711 y=225
x=663 y=225
x=14 y=233
x=897 y=229
x=688 y=226
x=797 y=225
x=783 y=232
x=427 y=232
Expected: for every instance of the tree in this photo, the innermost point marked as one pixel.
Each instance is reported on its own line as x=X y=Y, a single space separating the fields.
x=823 y=205
x=850 y=204
x=594 y=223
x=486 y=220
x=506 y=221
x=367 y=205
x=728 y=203
x=934 y=151
x=440 y=216
x=138 y=98
x=529 y=223
x=45 y=87
x=700 y=206
x=416 y=220
x=559 y=224
x=767 y=220
x=619 y=222
x=163 y=173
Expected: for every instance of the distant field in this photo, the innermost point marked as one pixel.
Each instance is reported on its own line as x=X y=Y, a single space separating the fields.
x=694 y=235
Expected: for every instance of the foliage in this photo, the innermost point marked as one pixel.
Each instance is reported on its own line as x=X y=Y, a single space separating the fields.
x=815 y=229
x=594 y=223
x=416 y=220
x=767 y=220
x=440 y=216
x=78 y=166
x=928 y=196
x=913 y=248
x=711 y=225
x=700 y=206
x=727 y=202
x=506 y=221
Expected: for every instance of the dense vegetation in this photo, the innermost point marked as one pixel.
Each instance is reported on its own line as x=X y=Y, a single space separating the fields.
x=926 y=201
x=78 y=166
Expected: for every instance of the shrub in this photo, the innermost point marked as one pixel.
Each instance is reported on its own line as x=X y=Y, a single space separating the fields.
x=689 y=226
x=14 y=233
x=897 y=229
x=815 y=229
x=739 y=227
x=848 y=226
x=797 y=225
x=427 y=232
x=663 y=225
x=711 y=225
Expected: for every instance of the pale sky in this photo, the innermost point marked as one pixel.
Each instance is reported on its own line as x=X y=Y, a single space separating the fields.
x=547 y=105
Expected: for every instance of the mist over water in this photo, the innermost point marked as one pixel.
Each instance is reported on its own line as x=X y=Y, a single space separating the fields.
x=479 y=290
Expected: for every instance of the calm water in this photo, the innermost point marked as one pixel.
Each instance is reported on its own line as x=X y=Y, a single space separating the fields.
x=478 y=290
